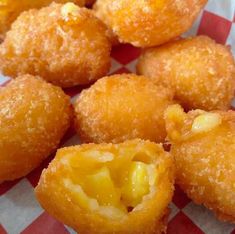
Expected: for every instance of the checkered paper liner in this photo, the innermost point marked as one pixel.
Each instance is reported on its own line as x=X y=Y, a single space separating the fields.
x=20 y=211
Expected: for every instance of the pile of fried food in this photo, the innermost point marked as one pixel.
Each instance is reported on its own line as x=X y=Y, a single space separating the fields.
x=122 y=179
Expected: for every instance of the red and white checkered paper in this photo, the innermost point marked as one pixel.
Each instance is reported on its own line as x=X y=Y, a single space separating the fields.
x=20 y=211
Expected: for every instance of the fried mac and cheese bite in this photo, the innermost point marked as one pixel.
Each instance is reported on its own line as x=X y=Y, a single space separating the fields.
x=203 y=146
x=122 y=107
x=148 y=23
x=34 y=116
x=109 y=188
x=11 y=9
x=64 y=44
x=201 y=72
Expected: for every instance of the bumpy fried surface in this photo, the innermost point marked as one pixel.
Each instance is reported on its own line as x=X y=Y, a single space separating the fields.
x=108 y=188
x=203 y=145
x=64 y=44
x=34 y=116
x=10 y=10
x=201 y=72
x=109 y=33
x=148 y=23
x=122 y=107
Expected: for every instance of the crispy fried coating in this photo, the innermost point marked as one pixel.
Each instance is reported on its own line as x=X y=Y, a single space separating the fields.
x=148 y=23
x=109 y=33
x=109 y=188
x=10 y=10
x=201 y=72
x=34 y=116
x=203 y=145
x=64 y=44
x=122 y=107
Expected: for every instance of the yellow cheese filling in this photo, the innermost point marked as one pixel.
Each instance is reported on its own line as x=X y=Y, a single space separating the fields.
x=112 y=194
x=206 y=122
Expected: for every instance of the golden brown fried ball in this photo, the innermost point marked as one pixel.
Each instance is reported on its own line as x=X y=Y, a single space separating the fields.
x=203 y=145
x=11 y=9
x=64 y=44
x=122 y=107
x=149 y=23
x=108 y=188
x=34 y=116
x=201 y=72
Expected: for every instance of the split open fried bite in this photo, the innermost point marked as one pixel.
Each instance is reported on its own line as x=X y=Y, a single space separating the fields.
x=109 y=188
x=203 y=145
